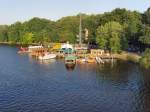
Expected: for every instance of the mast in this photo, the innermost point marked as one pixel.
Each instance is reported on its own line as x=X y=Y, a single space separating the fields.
x=80 y=31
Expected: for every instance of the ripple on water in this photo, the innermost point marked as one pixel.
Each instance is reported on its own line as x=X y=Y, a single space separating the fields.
x=27 y=85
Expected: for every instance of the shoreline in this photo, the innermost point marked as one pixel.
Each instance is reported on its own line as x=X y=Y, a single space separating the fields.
x=17 y=43
x=126 y=56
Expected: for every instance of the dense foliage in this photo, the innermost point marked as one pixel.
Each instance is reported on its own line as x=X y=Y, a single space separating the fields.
x=118 y=30
x=109 y=36
x=145 y=60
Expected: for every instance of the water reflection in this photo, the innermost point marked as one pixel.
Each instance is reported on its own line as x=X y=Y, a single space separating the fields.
x=86 y=66
x=47 y=62
x=70 y=68
x=126 y=77
x=117 y=72
x=144 y=93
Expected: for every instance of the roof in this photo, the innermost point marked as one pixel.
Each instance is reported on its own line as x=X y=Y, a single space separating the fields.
x=68 y=50
x=66 y=46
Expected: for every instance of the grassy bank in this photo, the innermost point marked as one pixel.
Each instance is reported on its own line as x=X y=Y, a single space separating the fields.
x=128 y=56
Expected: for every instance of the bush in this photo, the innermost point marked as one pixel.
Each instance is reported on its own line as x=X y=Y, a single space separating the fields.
x=145 y=60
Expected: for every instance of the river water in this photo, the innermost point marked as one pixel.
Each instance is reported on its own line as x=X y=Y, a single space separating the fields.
x=27 y=85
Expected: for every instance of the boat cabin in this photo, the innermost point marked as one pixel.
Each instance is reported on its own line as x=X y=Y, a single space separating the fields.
x=31 y=48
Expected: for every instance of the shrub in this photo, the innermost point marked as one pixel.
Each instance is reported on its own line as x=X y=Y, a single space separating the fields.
x=145 y=59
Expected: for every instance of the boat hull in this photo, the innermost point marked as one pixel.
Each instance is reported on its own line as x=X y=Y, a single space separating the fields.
x=91 y=61
x=81 y=60
x=48 y=56
x=70 y=62
x=23 y=52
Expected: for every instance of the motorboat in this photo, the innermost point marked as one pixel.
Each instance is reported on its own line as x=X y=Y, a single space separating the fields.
x=70 y=61
x=23 y=50
x=47 y=56
x=31 y=48
x=91 y=60
x=81 y=60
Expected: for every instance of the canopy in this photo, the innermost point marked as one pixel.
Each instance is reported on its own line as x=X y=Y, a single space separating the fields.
x=66 y=46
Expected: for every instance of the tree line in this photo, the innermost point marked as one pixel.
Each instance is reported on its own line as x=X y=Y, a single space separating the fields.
x=120 y=29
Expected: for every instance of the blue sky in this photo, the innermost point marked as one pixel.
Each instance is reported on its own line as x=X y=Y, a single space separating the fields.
x=22 y=10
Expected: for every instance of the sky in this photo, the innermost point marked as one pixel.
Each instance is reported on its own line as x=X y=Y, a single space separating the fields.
x=23 y=10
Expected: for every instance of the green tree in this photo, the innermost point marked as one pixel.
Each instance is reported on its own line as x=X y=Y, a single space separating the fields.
x=102 y=37
x=91 y=23
x=146 y=17
x=3 y=33
x=67 y=28
x=99 y=29
x=27 y=38
x=109 y=36
x=145 y=60
x=114 y=43
x=145 y=38
x=15 y=32
x=41 y=28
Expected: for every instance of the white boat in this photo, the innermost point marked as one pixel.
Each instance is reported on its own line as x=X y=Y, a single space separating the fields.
x=67 y=46
x=47 y=56
x=31 y=48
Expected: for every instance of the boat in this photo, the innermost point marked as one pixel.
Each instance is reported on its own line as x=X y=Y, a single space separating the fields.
x=67 y=46
x=31 y=48
x=70 y=61
x=86 y=60
x=47 y=56
x=23 y=50
x=81 y=60
x=91 y=60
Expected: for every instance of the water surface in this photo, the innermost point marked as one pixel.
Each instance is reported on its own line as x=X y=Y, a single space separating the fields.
x=27 y=85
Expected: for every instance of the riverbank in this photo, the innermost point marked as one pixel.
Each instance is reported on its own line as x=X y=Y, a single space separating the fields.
x=127 y=56
x=16 y=43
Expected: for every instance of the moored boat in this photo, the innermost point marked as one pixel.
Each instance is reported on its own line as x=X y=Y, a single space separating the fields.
x=81 y=60
x=91 y=60
x=23 y=50
x=70 y=61
x=47 y=56
x=31 y=48
x=86 y=60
